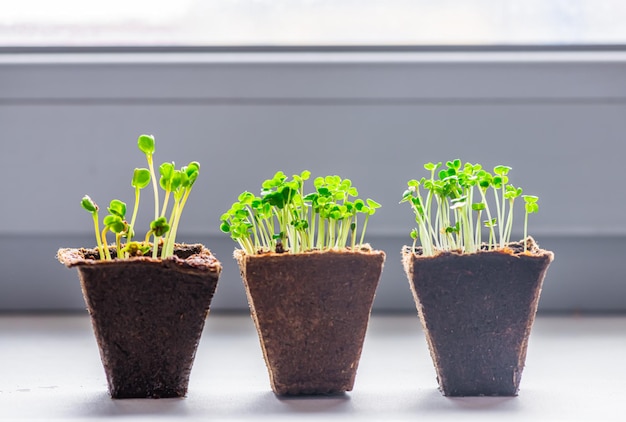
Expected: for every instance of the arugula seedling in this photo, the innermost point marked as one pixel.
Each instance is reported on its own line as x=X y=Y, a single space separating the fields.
x=146 y=145
x=177 y=183
x=141 y=179
x=283 y=218
x=116 y=223
x=88 y=204
x=180 y=184
x=531 y=206
x=452 y=195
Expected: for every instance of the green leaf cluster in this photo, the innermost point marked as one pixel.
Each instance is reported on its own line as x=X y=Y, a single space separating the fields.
x=285 y=219
x=176 y=183
x=450 y=205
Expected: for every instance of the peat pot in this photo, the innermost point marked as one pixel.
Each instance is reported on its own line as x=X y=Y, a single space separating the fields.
x=311 y=311
x=477 y=311
x=147 y=315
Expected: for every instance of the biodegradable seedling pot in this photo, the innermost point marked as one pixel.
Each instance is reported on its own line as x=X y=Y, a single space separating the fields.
x=311 y=311
x=477 y=311
x=147 y=315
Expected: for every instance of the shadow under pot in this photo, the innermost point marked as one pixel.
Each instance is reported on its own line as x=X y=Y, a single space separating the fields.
x=147 y=315
x=311 y=311
x=477 y=311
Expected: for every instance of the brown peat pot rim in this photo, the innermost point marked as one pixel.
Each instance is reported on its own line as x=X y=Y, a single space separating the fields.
x=311 y=312
x=511 y=249
x=194 y=257
x=477 y=311
x=365 y=249
x=147 y=315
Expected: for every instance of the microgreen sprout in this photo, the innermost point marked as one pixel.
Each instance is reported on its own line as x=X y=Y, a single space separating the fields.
x=284 y=218
x=116 y=223
x=177 y=183
x=455 y=222
x=88 y=204
x=531 y=206
x=141 y=179
x=146 y=145
x=158 y=228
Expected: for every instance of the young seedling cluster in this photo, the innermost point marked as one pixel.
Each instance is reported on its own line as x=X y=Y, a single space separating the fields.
x=459 y=195
x=285 y=219
x=177 y=184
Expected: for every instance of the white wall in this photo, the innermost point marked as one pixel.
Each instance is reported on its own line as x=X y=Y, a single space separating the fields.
x=69 y=122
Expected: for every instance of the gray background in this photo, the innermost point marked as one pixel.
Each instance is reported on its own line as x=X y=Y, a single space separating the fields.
x=69 y=123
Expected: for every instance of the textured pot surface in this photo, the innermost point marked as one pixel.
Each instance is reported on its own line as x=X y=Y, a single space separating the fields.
x=311 y=311
x=477 y=312
x=148 y=315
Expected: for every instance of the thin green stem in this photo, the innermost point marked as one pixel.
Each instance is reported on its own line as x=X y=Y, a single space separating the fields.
x=432 y=232
x=155 y=246
x=478 y=231
x=131 y=228
x=321 y=233
x=491 y=231
x=331 y=233
x=470 y=220
x=429 y=232
x=367 y=217
x=345 y=231
x=502 y=219
x=312 y=228
x=468 y=234
x=154 y=185
x=509 y=223
x=499 y=221
x=525 y=231
x=427 y=245
x=96 y=226
x=255 y=229
x=247 y=245
x=107 y=254
x=165 y=203
x=266 y=237
x=118 y=244
x=168 y=242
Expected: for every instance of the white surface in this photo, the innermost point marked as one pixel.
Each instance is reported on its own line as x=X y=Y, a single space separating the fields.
x=575 y=371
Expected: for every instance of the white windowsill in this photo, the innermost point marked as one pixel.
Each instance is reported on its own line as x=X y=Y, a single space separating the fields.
x=50 y=370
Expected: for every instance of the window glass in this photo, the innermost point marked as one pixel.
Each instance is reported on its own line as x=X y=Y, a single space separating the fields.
x=310 y=22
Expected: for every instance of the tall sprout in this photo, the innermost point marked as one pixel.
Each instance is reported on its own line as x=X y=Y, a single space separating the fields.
x=175 y=183
x=90 y=206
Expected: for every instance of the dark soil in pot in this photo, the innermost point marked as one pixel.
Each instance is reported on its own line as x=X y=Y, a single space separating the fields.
x=311 y=311
x=148 y=315
x=477 y=311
